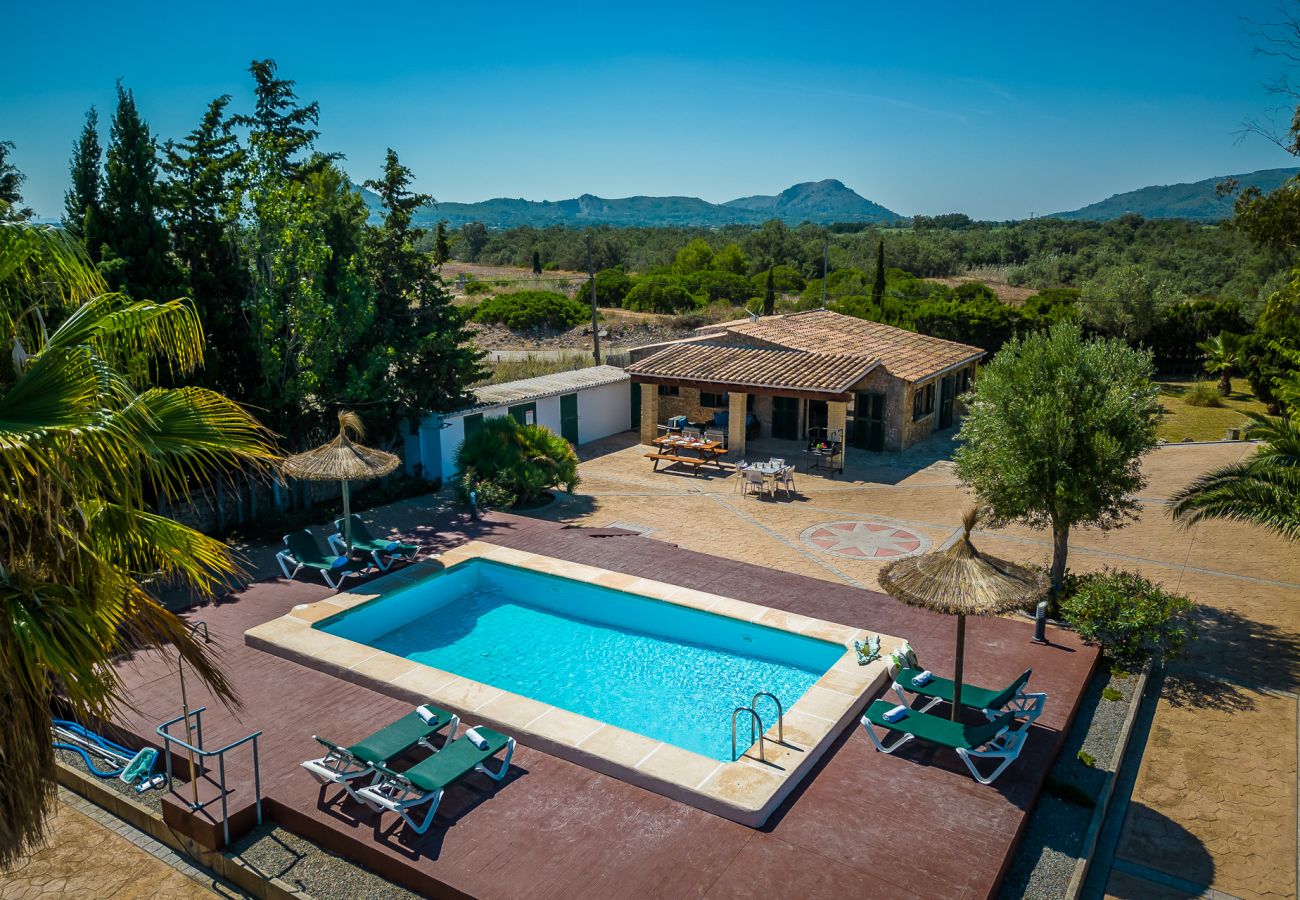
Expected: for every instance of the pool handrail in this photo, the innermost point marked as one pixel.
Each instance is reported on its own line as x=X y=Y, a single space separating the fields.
x=753 y=717
x=220 y=753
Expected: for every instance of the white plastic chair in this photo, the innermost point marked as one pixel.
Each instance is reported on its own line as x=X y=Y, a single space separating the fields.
x=753 y=476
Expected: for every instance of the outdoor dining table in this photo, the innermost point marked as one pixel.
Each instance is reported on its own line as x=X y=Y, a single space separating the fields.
x=705 y=449
x=671 y=448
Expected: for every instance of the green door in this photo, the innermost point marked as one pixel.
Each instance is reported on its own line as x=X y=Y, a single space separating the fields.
x=869 y=421
x=635 y=407
x=785 y=418
x=473 y=425
x=569 y=418
x=947 y=391
x=524 y=413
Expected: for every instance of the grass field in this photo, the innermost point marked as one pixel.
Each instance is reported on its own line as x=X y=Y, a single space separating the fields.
x=1201 y=423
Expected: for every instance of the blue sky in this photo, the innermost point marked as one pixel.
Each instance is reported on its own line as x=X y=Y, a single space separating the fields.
x=997 y=110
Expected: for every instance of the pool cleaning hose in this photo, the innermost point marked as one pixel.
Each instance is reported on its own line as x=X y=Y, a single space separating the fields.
x=130 y=765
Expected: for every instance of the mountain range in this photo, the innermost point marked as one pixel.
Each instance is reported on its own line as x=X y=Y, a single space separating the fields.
x=814 y=201
x=1196 y=200
x=821 y=202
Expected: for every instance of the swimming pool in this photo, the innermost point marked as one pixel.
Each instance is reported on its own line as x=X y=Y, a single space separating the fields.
x=668 y=672
x=631 y=677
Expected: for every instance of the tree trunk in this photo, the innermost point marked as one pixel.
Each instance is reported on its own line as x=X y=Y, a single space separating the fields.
x=1225 y=384
x=1060 y=550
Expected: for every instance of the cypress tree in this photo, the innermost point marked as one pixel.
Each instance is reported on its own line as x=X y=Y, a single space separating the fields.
x=769 y=295
x=83 y=203
x=11 y=182
x=201 y=201
x=281 y=128
x=441 y=243
x=537 y=263
x=136 y=260
x=430 y=362
x=878 y=288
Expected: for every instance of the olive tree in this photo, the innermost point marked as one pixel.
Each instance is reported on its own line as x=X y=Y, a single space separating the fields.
x=1055 y=433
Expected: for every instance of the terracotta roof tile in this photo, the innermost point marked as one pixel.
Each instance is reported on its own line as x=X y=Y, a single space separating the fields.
x=904 y=354
x=756 y=367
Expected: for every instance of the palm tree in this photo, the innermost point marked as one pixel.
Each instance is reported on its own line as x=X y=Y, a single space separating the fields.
x=1263 y=489
x=87 y=445
x=1222 y=355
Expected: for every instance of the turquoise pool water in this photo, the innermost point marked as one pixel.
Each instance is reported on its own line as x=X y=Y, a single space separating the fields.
x=668 y=672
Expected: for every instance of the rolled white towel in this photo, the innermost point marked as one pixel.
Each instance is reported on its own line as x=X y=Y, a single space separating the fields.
x=922 y=679
x=896 y=714
x=427 y=714
x=476 y=739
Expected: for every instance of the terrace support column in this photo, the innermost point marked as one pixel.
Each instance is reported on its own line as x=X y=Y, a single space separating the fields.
x=736 y=407
x=837 y=412
x=649 y=412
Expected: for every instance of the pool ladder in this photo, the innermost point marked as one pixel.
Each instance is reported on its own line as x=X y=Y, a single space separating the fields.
x=761 y=731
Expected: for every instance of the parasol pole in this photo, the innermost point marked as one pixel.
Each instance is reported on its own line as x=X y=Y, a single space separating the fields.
x=189 y=734
x=347 y=517
x=957 y=675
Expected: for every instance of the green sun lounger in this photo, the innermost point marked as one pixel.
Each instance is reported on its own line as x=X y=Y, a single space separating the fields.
x=302 y=551
x=1013 y=697
x=990 y=740
x=344 y=765
x=364 y=541
x=426 y=781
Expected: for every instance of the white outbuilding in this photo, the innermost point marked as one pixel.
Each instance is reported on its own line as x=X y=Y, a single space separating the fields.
x=581 y=406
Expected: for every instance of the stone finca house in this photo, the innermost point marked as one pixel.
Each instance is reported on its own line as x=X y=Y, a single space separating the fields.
x=580 y=406
x=882 y=387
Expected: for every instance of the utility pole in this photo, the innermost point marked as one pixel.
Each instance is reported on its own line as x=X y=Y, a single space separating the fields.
x=826 y=268
x=591 y=281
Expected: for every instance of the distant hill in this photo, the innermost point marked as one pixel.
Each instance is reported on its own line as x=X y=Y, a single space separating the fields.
x=1196 y=201
x=814 y=201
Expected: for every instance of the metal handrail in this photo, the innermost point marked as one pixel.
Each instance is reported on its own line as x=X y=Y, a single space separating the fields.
x=200 y=625
x=780 y=713
x=220 y=754
x=753 y=717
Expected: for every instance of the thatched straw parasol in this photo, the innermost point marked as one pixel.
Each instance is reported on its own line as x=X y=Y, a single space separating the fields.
x=963 y=582
x=344 y=461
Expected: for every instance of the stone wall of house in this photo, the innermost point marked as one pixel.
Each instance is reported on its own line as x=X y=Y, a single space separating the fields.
x=898 y=405
x=915 y=431
x=687 y=404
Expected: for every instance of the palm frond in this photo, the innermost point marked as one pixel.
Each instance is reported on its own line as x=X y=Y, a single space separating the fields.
x=1263 y=489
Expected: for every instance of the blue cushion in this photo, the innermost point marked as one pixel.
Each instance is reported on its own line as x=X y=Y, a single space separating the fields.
x=339 y=562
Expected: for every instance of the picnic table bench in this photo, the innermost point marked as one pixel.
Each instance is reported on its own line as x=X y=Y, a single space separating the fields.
x=674 y=450
x=671 y=458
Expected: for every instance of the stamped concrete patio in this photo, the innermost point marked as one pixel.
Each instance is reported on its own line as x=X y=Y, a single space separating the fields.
x=557 y=829
x=1221 y=763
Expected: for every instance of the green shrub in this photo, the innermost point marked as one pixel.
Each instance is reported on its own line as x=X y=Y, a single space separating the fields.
x=1086 y=758
x=785 y=280
x=660 y=294
x=612 y=286
x=714 y=286
x=510 y=463
x=1130 y=616
x=1109 y=693
x=474 y=286
x=532 y=309
x=1203 y=394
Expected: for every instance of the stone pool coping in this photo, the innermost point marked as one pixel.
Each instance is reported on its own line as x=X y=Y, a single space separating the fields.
x=745 y=791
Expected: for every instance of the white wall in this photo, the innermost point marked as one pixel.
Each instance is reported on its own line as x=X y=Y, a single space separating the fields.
x=602 y=411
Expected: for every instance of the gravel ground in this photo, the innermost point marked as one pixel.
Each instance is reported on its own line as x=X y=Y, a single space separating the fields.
x=151 y=798
x=1052 y=842
x=276 y=852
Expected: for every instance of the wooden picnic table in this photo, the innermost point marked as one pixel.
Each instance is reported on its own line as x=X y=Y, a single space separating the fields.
x=672 y=449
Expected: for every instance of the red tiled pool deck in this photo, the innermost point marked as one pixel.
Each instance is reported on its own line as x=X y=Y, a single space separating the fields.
x=862 y=824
